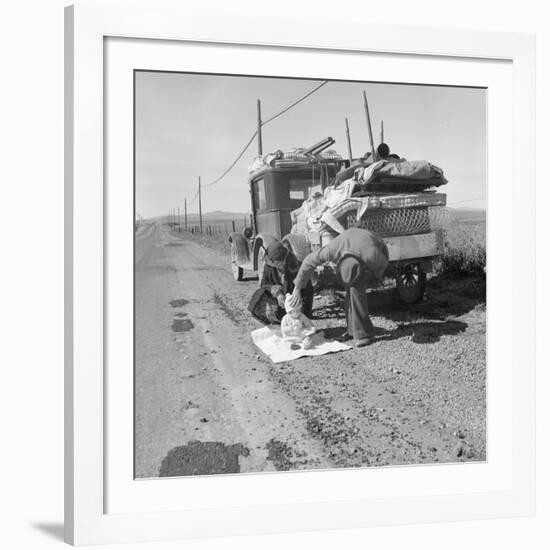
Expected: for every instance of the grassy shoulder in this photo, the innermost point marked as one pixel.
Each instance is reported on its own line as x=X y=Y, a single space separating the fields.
x=465 y=250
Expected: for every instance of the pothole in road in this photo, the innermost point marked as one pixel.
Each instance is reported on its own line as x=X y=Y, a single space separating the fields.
x=180 y=324
x=180 y=302
x=203 y=458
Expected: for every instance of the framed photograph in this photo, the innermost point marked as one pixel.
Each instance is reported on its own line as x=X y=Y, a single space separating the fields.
x=299 y=274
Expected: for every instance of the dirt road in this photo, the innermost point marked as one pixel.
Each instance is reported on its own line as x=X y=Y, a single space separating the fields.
x=208 y=402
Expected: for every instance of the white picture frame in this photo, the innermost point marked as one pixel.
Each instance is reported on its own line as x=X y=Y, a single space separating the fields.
x=90 y=517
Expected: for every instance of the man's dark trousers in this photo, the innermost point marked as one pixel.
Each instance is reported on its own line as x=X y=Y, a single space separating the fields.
x=357 y=313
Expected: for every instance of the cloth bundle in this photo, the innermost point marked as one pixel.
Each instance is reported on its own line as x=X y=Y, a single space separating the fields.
x=402 y=171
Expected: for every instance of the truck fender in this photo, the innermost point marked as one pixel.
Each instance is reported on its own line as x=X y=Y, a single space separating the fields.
x=298 y=244
x=241 y=248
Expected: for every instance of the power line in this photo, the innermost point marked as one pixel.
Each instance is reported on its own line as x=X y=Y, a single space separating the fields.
x=234 y=162
x=293 y=104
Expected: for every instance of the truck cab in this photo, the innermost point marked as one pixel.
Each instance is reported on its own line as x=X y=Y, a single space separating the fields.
x=277 y=192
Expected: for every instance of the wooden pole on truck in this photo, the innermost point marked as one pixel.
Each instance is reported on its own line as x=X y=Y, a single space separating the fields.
x=381 y=131
x=200 y=205
x=185 y=213
x=369 y=126
x=349 y=140
x=260 y=146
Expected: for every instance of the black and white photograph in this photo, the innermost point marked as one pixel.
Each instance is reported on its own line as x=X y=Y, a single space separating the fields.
x=309 y=274
x=275 y=275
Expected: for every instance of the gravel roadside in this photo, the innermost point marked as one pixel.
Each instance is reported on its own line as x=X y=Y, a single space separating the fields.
x=417 y=395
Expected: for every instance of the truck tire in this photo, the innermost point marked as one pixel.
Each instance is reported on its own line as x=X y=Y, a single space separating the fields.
x=261 y=243
x=411 y=283
x=236 y=269
x=261 y=263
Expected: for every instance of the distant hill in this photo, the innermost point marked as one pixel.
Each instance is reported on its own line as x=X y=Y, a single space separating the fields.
x=463 y=215
x=217 y=216
x=468 y=215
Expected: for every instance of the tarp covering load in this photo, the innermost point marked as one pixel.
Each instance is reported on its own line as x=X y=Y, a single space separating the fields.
x=402 y=171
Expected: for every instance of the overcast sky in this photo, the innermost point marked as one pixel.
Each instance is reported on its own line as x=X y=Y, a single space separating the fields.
x=190 y=125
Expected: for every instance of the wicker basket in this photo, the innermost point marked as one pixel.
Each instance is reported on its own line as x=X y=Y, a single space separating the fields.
x=402 y=221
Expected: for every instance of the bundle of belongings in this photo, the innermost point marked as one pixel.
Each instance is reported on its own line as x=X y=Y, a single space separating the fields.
x=389 y=171
x=296 y=156
x=385 y=184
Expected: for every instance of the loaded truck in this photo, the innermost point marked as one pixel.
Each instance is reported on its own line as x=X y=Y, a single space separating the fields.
x=408 y=214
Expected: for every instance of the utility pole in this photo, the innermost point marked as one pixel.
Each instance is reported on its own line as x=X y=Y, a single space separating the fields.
x=369 y=126
x=381 y=131
x=260 y=146
x=185 y=213
x=179 y=220
x=349 y=141
x=200 y=205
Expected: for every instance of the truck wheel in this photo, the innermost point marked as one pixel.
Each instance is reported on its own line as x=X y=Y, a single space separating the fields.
x=411 y=283
x=261 y=264
x=235 y=268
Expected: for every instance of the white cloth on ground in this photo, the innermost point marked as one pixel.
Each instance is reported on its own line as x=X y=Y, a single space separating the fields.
x=271 y=342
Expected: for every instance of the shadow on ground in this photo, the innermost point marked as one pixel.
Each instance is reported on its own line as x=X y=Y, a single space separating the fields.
x=444 y=298
x=424 y=332
x=54 y=530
